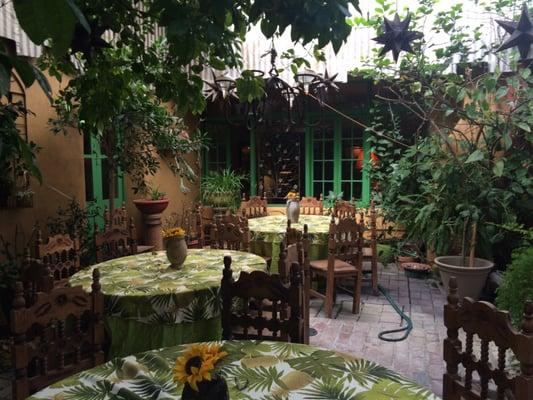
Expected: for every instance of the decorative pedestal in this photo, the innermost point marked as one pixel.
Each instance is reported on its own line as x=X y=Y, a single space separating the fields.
x=152 y=227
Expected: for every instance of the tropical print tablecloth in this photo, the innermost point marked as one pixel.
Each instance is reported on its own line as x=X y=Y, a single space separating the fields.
x=266 y=234
x=142 y=287
x=253 y=371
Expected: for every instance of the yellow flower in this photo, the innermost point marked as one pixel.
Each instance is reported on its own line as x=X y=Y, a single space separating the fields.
x=196 y=364
x=292 y=195
x=173 y=232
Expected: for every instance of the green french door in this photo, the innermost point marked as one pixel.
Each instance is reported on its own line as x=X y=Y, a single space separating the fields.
x=96 y=170
x=336 y=155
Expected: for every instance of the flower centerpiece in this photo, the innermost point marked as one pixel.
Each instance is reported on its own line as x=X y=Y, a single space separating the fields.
x=175 y=246
x=293 y=206
x=195 y=370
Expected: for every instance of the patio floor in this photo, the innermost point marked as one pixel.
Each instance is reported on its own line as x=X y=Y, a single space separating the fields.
x=419 y=357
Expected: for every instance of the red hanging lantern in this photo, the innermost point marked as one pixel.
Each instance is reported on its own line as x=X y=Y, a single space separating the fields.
x=359 y=155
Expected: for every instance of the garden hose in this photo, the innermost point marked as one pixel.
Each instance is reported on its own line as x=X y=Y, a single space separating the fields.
x=407 y=328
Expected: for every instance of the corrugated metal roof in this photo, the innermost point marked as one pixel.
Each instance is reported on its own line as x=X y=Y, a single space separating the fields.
x=10 y=28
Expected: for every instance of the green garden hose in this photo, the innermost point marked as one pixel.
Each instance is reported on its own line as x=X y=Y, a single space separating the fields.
x=407 y=328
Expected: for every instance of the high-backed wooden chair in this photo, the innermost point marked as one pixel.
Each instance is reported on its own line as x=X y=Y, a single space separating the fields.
x=60 y=254
x=207 y=220
x=370 y=242
x=344 y=209
x=60 y=334
x=192 y=223
x=282 y=322
x=254 y=208
x=232 y=233
x=312 y=206
x=482 y=319
x=118 y=238
x=344 y=260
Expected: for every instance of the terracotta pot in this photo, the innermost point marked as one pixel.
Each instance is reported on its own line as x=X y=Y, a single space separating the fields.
x=176 y=248
x=293 y=211
x=149 y=207
x=470 y=280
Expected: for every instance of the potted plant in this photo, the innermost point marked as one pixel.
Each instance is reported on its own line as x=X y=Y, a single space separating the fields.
x=155 y=202
x=221 y=189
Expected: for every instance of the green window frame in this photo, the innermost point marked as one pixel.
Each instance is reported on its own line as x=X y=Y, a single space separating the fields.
x=95 y=179
x=218 y=156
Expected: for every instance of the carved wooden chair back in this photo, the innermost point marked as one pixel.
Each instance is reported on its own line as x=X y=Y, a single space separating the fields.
x=192 y=223
x=344 y=209
x=118 y=238
x=207 y=220
x=312 y=206
x=60 y=334
x=60 y=254
x=345 y=241
x=36 y=277
x=255 y=207
x=243 y=300
x=232 y=233
x=488 y=324
x=370 y=241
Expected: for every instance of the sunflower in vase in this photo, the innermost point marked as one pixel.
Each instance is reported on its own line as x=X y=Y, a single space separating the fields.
x=175 y=246
x=293 y=206
x=195 y=370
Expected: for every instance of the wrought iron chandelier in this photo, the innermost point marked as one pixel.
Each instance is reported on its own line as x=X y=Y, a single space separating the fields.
x=282 y=104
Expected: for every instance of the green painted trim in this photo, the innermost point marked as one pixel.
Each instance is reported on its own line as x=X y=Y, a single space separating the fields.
x=337 y=155
x=308 y=140
x=253 y=163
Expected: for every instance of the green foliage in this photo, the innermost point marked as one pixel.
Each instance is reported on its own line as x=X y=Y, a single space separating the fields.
x=17 y=156
x=385 y=254
x=517 y=285
x=226 y=183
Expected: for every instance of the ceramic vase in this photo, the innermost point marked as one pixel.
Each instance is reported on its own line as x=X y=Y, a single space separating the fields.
x=293 y=211
x=176 y=248
x=215 y=389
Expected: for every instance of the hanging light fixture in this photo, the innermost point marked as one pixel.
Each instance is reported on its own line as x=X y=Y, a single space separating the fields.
x=305 y=79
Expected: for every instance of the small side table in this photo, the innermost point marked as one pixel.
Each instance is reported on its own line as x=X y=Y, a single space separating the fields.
x=414 y=270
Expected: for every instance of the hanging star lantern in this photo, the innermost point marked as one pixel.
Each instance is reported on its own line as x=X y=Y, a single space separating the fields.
x=521 y=33
x=396 y=37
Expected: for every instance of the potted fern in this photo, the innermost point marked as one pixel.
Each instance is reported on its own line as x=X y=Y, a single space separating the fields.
x=221 y=189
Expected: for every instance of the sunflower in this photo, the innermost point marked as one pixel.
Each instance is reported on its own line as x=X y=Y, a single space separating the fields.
x=292 y=195
x=173 y=232
x=196 y=364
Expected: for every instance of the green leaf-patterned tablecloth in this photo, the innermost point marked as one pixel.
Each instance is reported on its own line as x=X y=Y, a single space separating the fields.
x=253 y=370
x=149 y=305
x=268 y=232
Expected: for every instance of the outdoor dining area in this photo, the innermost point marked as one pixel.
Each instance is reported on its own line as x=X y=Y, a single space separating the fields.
x=267 y=200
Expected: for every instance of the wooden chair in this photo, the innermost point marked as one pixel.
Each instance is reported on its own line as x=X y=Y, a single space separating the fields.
x=118 y=238
x=370 y=244
x=60 y=334
x=248 y=321
x=254 y=208
x=344 y=209
x=207 y=220
x=490 y=325
x=60 y=254
x=312 y=206
x=344 y=260
x=232 y=233
x=192 y=223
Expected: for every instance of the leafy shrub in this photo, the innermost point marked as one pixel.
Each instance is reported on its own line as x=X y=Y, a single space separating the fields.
x=517 y=285
x=385 y=254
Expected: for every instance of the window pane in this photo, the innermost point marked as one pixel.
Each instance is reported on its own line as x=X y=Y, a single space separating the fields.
x=317 y=171
x=328 y=150
x=327 y=187
x=346 y=188
x=105 y=180
x=346 y=170
x=357 y=190
x=317 y=189
x=357 y=174
x=89 y=193
x=317 y=150
x=328 y=170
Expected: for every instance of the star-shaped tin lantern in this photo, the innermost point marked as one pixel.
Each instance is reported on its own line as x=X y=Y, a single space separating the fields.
x=396 y=37
x=521 y=33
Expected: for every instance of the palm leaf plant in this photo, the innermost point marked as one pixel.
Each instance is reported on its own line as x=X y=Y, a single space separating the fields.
x=365 y=372
x=331 y=388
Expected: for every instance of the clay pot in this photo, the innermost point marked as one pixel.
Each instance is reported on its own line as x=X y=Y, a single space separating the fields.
x=470 y=280
x=176 y=248
x=149 y=207
x=293 y=211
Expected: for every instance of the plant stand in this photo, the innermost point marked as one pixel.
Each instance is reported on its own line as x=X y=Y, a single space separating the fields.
x=151 y=211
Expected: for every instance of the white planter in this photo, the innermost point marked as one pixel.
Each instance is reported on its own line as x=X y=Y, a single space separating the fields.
x=293 y=211
x=470 y=280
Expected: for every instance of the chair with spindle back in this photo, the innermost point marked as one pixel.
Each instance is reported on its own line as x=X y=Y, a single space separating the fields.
x=312 y=206
x=255 y=207
x=118 y=238
x=370 y=243
x=345 y=258
x=490 y=325
x=344 y=209
x=243 y=316
x=60 y=254
x=192 y=223
x=231 y=232
x=207 y=220
x=60 y=334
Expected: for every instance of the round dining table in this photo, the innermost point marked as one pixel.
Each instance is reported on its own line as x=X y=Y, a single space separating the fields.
x=266 y=234
x=252 y=370
x=150 y=305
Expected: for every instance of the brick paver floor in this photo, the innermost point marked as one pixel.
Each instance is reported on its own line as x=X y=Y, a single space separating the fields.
x=419 y=357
